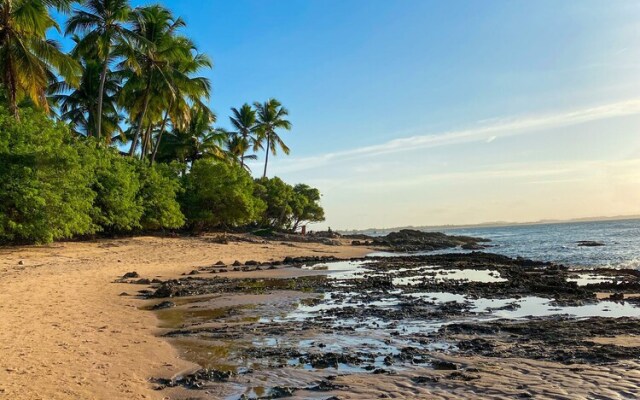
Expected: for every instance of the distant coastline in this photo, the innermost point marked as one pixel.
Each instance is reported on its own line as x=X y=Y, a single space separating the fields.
x=494 y=224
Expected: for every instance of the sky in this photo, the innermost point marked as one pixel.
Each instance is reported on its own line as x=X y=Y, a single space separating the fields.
x=420 y=112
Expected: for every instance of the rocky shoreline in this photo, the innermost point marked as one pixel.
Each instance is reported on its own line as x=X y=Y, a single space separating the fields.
x=386 y=316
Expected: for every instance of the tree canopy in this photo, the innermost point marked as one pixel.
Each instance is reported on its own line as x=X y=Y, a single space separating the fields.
x=117 y=135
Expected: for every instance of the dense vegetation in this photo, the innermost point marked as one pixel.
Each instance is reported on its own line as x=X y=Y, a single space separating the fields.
x=116 y=136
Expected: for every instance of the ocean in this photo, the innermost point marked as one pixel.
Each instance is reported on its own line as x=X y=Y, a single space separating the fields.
x=557 y=242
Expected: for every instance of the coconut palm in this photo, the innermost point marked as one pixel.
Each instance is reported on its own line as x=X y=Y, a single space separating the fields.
x=104 y=27
x=178 y=94
x=199 y=139
x=28 y=60
x=244 y=122
x=149 y=63
x=271 y=116
x=80 y=106
x=237 y=150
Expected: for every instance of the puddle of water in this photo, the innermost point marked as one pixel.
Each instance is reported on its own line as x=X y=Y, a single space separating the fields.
x=373 y=336
x=586 y=279
x=439 y=275
x=340 y=269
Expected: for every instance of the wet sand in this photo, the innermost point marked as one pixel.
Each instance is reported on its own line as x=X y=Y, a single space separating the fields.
x=248 y=332
x=65 y=333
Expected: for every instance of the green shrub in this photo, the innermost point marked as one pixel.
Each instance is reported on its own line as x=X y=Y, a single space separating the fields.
x=44 y=188
x=305 y=206
x=277 y=195
x=158 y=192
x=219 y=195
x=288 y=207
x=116 y=183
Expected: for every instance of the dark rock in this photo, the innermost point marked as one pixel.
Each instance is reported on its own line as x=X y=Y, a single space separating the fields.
x=415 y=240
x=325 y=386
x=278 y=392
x=443 y=365
x=461 y=376
x=130 y=275
x=236 y=263
x=220 y=263
x=196 y=380
x=589 y=243
x=616 y=296
x=425 y=379
x=251 y=262
x=143 y=281
x=163 y=305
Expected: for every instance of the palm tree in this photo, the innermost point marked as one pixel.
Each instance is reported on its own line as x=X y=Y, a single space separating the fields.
x=28 y=60
x=178 y=94
x=149 y=63
x=244 y=121
x=270 y=116
x=237 y=151
x=79 y=106
x=196 y=140
x=104 y=27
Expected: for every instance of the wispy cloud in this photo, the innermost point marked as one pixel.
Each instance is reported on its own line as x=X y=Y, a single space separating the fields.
x=487 y=132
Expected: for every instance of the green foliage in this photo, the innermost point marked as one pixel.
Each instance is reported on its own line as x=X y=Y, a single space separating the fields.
x=219 y=194
x=129 y=67
x=160 y=186
x=277 y=195
x=44 y=188
x=306 y=205
x=118 y=207
x=287 y=206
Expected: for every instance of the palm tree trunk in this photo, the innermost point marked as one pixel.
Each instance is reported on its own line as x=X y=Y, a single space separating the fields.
x=134 y=143
x=266 y=159
x=146 y=139
x=10 y=80
x=103 y=78
x=242 y=160
x=157 y=145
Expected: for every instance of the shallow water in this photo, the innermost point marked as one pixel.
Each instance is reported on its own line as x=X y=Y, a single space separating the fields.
x=280 y=339
x=558 y=242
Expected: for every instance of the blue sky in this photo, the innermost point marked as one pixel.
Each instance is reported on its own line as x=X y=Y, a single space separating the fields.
x=494 y=110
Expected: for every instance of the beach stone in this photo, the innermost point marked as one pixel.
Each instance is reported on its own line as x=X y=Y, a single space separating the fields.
x=589 y=243
x=236 y=263
x=443 y=365
x=132 y=274
x=163 y=305
x=220 y=263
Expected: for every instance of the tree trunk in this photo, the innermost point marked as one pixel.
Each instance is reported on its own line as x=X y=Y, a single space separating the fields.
x=103 y=78
x=266 y=159
x=146 y=139
x=157 y=145
x=10 y=82
x=134 y=143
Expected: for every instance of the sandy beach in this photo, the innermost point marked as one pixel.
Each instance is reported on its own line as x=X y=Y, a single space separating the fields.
x=67 y=334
